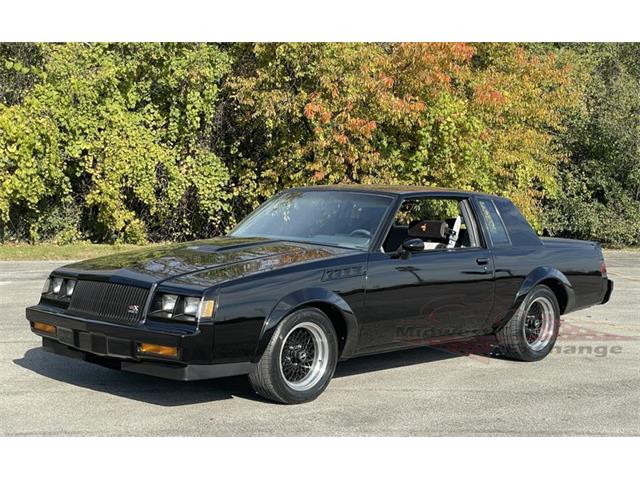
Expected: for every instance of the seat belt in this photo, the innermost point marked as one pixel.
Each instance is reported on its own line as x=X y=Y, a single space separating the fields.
x=455 y=230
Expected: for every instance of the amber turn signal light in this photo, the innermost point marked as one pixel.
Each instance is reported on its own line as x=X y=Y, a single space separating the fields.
x=158 y=350
x=44 y=327
x=206 y=308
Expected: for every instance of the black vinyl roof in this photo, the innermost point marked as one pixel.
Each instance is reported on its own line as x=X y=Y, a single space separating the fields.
x=389 y=189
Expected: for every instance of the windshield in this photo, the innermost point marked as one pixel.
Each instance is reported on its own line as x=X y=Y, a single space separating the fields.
x=347 y=219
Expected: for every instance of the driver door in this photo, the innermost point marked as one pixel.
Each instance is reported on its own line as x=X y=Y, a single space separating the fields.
x=445 y=291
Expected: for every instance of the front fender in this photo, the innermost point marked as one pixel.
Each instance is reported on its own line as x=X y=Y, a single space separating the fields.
x=549 y=276
x=309 y=296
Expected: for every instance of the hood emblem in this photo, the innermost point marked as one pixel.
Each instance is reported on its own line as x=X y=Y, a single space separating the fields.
x=133 y=309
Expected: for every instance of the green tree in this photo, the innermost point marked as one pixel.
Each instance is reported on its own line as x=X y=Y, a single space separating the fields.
x=126 y=131
x=600 y=195
x=469 y=116
x=135 y=142
x=19 y=64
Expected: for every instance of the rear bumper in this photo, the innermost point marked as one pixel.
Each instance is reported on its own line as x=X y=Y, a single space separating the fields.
x=116 y=346
x=609 y=291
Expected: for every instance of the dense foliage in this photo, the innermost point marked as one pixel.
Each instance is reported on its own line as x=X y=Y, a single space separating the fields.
x=600 y=197
x=136 y=142
x=114 y=142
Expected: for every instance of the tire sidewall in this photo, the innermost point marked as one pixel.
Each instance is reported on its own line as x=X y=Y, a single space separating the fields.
x=283 y=390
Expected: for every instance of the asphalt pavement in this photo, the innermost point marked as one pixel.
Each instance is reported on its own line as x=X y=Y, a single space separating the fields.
x=589 y=385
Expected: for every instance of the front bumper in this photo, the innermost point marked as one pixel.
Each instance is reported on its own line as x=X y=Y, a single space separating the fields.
x=117 y=346
x=184 y=373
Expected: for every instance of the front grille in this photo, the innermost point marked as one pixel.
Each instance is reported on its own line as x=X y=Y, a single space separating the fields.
x=109 y=302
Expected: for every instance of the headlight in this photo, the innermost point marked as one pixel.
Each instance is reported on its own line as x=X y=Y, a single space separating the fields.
x=59 y=288
x=57 y=284
x=191 y=305
x=69 y=286
x=169 y=303
x=181 y=308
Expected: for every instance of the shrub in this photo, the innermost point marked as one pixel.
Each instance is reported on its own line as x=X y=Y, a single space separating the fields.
x=600 y=198
x=127 y=129
x=476 y=117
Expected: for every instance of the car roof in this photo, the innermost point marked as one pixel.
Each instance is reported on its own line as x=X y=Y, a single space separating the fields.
x=388 y=189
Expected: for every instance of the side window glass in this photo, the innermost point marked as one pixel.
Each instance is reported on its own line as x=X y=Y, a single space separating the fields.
x=497 y=231
x=439 y=222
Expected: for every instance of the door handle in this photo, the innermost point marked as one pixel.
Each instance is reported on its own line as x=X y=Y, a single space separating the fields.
x=482 y=261
x=479 y=271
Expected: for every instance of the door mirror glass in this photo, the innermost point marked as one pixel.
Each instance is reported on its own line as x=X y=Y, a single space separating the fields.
x=413 y=245
x=408 y=246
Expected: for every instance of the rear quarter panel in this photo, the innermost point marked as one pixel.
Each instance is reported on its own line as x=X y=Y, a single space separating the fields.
x=578 y=261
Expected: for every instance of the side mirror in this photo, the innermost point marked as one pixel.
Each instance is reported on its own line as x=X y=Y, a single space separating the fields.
x=413 y=245
x=408 y=246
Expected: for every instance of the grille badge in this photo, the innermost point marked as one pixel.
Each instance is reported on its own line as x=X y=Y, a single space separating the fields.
x=133 y=309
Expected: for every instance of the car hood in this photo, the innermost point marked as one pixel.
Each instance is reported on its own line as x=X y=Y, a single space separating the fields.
x=201 y=263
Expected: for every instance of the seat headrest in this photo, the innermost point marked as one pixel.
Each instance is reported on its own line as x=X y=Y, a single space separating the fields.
x=433 y=230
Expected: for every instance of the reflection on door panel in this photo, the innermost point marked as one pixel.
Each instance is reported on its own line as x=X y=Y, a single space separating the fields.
x=444 y=290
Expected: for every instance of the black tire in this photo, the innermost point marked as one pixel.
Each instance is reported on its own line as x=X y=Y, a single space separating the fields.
x=517 y=338
x=269 y=380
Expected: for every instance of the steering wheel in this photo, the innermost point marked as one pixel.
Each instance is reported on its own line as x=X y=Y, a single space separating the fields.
x=360 y=232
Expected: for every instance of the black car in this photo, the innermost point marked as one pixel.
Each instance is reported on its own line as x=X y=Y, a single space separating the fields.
x=321 y=274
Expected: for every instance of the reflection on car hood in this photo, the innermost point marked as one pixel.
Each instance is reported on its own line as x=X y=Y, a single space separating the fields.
x=201 y=263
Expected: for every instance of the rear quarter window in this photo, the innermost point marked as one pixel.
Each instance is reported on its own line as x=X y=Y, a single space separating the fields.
x=495 y=226
x=518 y=227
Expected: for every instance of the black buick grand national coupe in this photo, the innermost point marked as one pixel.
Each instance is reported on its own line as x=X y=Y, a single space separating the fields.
x=317 y=275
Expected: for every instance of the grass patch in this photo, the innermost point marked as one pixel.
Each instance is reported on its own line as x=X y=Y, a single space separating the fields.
x=82 y=250
x=633 y=248
x=50 y=251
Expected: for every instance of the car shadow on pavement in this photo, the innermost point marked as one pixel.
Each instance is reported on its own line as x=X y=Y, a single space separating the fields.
x=143 y=388
x=386 y=361
x=171 y=393
x=482 y=348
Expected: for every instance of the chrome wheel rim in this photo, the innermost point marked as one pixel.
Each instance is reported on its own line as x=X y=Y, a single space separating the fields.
x=304 y=356
x=539 y=324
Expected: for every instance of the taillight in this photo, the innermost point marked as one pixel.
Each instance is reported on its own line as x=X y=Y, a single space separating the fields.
x=603 y=268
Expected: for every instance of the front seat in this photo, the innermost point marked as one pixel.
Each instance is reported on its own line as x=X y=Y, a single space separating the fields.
x=396 y=236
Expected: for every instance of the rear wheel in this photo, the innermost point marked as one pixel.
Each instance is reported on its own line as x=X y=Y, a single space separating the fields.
x=300 y=359
x=532 y=331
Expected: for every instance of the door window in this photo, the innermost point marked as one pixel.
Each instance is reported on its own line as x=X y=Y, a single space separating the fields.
x=440 y=222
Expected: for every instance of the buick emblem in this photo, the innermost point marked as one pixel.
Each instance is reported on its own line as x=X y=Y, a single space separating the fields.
x=133 y=309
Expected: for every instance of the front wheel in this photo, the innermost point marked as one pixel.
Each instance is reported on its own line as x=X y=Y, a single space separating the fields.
x=532 y=331
x=300 y=359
